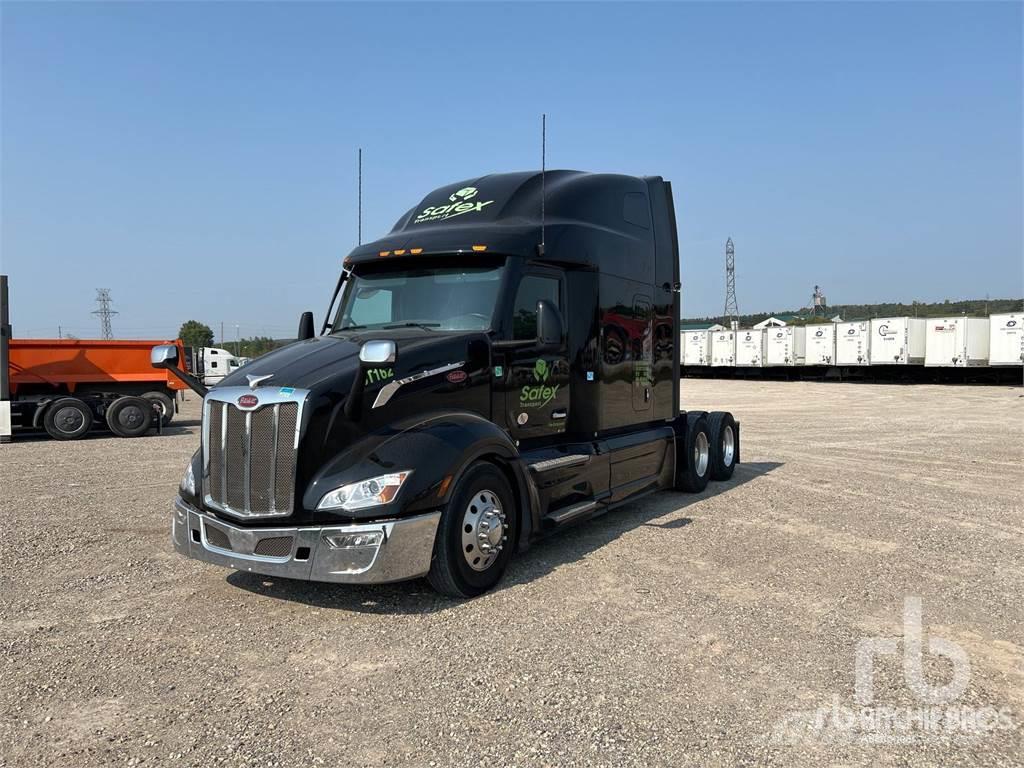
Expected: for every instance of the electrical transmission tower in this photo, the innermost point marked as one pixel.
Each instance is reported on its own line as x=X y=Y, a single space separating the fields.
x=104 y=312
x=732 y=311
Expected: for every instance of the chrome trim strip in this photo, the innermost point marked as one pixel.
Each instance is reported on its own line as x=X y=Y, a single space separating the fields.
x=223 y=450
x=273 y=460
x=389 y=389
x=247 y=469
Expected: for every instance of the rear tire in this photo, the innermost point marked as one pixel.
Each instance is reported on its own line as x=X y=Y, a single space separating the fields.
x=166 y=403
x=130 y=416
x=724 y=444
x=476 y=535
x=693 y=465
x=67 y=418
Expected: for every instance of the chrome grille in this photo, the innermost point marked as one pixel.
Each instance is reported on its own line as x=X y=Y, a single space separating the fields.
x=250 y=454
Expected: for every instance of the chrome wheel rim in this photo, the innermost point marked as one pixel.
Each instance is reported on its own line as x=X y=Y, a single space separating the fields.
x=483 y=530
x=728 y=446
x=701 y=454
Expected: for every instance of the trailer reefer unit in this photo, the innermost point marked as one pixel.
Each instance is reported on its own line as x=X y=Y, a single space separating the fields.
x=695 y=347
x=853 y=343
x=750 y=348
x=819 y=344
x=897 y=341
x=486 y=379
x=1006 y=339
x=783 y=346
x=723 y=348
x=956 y=342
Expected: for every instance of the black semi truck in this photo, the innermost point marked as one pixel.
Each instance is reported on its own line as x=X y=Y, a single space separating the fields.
x=504 y=363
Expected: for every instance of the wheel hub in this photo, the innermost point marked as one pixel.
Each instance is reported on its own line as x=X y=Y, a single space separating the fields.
x=483 y=530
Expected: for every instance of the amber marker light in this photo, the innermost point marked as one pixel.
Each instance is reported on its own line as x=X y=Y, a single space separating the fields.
x=384 y=253
x=479 y=248
x=415 y=251
x=400 y=252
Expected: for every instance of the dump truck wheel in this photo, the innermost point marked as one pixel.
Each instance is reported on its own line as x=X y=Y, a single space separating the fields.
x=693 y=465
x=475 y=537
x=724 y=444
x=166 y=404
x=130 y=416
x=67 y=419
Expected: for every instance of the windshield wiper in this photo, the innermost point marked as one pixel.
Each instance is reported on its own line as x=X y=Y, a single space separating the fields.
x=428 y=326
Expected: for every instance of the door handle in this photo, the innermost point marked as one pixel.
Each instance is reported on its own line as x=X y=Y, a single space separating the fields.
x=561 y=413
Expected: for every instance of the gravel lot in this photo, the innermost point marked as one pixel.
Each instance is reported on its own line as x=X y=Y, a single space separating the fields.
x=677 y=630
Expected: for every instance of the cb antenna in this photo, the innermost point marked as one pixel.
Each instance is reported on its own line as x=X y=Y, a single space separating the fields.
x=543 y=168
x=359 y=195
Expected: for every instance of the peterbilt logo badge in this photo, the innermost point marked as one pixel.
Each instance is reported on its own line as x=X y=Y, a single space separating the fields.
x=248 y=401
x=456 y=377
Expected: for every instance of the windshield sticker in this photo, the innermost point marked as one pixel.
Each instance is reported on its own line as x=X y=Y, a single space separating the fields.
x=540 y=394
x=458 y=205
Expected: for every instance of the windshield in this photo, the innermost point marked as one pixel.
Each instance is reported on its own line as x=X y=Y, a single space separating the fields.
x=439 y=298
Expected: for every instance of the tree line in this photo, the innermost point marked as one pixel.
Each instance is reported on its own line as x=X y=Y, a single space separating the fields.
x=194 y=333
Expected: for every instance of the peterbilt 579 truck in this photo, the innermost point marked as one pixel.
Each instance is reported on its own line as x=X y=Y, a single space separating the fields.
x=502 y=364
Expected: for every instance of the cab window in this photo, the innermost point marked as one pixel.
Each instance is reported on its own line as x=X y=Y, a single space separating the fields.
x=532 y=289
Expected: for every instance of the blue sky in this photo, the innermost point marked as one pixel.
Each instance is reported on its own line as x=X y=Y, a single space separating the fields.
x=199 y=159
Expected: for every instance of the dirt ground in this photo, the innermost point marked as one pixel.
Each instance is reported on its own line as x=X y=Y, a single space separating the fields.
x=714 y=629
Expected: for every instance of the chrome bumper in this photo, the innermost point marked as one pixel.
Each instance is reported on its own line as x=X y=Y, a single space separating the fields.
x=403 y=551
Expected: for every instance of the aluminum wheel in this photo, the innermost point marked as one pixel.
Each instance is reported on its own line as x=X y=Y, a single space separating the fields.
x=701 y=454
x=728 y=446
x=483 y=530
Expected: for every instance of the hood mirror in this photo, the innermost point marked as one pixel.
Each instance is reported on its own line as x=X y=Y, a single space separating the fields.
x=164 y=356
x=377 y=352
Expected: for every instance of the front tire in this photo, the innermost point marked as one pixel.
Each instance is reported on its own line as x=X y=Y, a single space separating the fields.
x=476 y=534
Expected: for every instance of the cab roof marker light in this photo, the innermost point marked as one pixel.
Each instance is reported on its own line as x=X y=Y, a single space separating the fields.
x=400 y=252
x=384 y=253
x=479 y=248
x=415 y=251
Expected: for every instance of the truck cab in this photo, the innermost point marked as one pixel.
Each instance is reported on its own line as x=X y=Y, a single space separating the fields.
x=490 y=374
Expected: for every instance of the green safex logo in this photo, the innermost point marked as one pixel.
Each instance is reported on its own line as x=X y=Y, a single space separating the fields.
x=541 y=393
x=458 y=204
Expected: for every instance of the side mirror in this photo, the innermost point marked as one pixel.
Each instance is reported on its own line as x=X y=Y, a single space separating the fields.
x=549 y=324
x=306 y=326
x=164 y=356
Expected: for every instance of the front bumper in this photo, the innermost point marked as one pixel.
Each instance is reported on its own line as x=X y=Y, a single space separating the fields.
x=403 y=551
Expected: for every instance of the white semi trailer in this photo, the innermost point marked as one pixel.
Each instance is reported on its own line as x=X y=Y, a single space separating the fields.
x=695 y=348
x=750 y=348
x=956 y=342
x=819 y=344
x=723 y=348
x=897 y=341
x=1006 y=339
x=853 y=343
x=784 y=346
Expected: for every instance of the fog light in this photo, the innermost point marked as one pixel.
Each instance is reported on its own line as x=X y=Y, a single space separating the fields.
x=355 y=540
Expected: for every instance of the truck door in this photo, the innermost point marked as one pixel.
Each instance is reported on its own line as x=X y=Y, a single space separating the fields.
x=642 y=352
x=537 y=395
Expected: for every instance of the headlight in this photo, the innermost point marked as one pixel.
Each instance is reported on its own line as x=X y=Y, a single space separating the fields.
x=365 y=493
x=188 y=482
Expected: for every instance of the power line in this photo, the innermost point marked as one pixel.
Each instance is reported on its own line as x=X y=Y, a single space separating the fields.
x=104 y=312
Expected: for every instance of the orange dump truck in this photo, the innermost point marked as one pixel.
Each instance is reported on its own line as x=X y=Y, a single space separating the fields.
x=69 y=386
